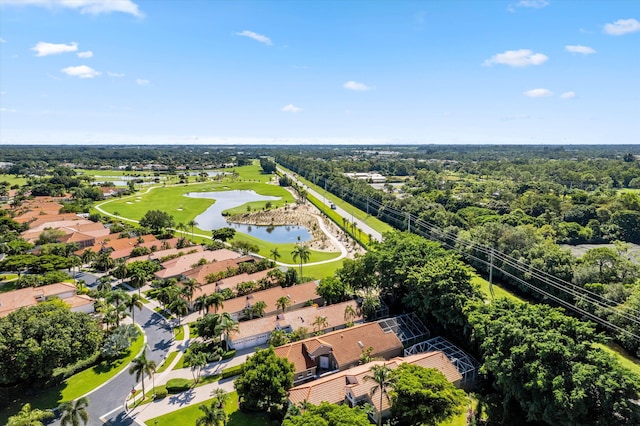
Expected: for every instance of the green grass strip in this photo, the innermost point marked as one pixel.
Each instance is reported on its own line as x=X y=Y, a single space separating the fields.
x=167 y=362
x=85 y=381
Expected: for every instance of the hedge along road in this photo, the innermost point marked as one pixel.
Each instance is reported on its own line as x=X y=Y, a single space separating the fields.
x=338 y=243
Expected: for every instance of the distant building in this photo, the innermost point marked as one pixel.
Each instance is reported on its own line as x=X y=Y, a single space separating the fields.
x=371 y=177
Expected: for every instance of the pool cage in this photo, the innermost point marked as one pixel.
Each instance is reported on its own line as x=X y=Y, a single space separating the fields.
x=407 y=327
x=467 y=366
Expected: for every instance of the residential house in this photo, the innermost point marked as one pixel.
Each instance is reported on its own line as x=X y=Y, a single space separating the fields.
x=339 y=350
x=257 y=331
x=174 y=268
x=352 y=387
x=298 y=296
x=13 y=300
x=200 y=273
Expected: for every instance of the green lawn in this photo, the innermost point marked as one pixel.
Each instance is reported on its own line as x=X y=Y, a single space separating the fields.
x=190 y=414
x=498 y=292
x=373 y=222
x=168 y=361
x=13 y=180
x=74 y=387
x=89 y=379
x=622 y=356
x=179 y=333
x=321 y=271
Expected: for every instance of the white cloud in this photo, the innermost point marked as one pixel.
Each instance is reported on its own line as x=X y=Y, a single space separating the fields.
x=622 y=26
x=257 y=37
x=114 y=74
x=2 y=40
x=81 y=71
x=91 y=7
x=585 y=50
x=568 y=95
x=537 y=4
x=45 y=49
x=538 y=93
x=142 y=81
x=87 y=54
x=291 y=108
x=354 y=85
x=8 y=110
x=517 y=58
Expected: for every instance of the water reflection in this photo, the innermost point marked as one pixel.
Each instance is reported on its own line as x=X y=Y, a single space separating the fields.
x=212 y=218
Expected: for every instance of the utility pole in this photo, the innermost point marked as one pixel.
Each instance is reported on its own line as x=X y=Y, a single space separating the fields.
x=491 y=274
x=408 y=221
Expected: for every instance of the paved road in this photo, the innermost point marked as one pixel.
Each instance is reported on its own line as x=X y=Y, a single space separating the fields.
x=342 y=212
x=106 y=404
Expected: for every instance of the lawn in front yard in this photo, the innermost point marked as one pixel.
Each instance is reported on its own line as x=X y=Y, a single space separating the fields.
x=189 y=415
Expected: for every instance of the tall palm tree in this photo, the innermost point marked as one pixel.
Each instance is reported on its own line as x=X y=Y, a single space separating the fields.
x=381 y=376
x=141 y=366
x=104 y=261
x=179 y=307
x=134 y=302
x=303 y=254
x=118 y=298
x=192 y=223
x=121 y=270
x=74 y=411
x=181 y=227
x=275 y=255
x=216 y=300
x=200 y=304
x=139 y=278
x=283 y=302
x=188 y=288
x=212 y=416
x=258 y=308
x=227 y=326
x=349 y=314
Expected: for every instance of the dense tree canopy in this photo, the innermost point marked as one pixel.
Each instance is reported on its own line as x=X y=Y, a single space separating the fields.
x=544 y=362
x=35 y=341
x=423 y=396
x=157 y=220
x=327 y=414
x=264 y=381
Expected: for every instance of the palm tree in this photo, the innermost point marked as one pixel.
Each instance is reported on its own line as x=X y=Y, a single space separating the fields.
x=381 y=375
x=141 y=366
x=192 y=223
x=121 y=270
x=303 y=253
x=201 y=303
x=320 y=323
x=349 y=314
x=74 y=411
x=189 y=287
x=227 y=326
x=221 y=397
x=212 y=416
x=30 y=417
x=139 y=278
x=258 y=308
x=104 y=261
x=283 y=302
x=181 y=227
x=75 y=262
x=134 y=302
x=88 y=256
x=275 y=255
x=216 y=300
x=179 y=307
x=118 y=297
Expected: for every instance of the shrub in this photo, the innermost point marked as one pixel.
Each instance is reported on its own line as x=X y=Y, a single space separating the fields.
x=231 y=371
x=161 y=392
x=178 y=385
x=229 y=354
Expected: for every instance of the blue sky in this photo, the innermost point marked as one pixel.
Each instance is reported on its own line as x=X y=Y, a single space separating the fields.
x=319 y=71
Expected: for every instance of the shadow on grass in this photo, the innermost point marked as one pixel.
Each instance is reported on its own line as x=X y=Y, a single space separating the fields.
x=13 y=398
x=239 y=418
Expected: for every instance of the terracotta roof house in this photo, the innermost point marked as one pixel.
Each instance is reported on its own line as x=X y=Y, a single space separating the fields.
x=200 y=273
x=118 y=244
x=152 y=245
x=257 y=331
x=338 y=350
x=298 y=296
x=157 y=255
x=30 y=296
x=178 y=266
x=80 y=231
x=351 y=387
x=232 y=282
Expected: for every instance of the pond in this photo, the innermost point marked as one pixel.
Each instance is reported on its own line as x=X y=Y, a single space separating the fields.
x=212 y=218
